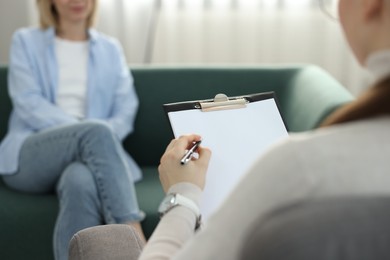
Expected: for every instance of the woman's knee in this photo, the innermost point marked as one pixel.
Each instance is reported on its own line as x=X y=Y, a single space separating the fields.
x=77 y=181
x=97 y=128
x=96 y=135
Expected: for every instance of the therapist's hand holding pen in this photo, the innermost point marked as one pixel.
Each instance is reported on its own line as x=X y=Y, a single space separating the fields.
x=173 y=171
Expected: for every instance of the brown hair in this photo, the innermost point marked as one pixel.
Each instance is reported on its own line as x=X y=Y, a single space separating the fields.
x=48 y=15
x=374 y=102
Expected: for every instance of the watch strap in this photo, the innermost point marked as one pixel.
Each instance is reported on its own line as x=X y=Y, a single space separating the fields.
x=188 y=203
x=176 y=199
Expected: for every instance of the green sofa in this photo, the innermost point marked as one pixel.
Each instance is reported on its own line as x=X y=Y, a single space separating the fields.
x=306 y=95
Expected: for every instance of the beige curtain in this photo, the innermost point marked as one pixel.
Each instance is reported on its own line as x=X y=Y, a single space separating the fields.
x=239 y=32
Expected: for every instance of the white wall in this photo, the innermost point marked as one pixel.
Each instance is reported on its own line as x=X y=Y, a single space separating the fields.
x=13 y=14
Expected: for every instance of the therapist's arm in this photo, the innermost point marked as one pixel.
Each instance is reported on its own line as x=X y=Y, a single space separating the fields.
x=178 y=225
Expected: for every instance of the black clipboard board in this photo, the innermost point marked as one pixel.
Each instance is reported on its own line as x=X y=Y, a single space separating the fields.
x=237 y=130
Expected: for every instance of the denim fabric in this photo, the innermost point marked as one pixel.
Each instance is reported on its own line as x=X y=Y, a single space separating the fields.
x=85 y=164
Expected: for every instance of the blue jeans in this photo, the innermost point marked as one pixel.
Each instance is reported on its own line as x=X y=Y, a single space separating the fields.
x=86 y=166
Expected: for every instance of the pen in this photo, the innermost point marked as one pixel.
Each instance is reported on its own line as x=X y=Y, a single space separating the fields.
x=187 y=157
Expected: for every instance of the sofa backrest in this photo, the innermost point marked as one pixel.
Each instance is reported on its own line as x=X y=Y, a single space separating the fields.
x=5 y=102
x=306 y=95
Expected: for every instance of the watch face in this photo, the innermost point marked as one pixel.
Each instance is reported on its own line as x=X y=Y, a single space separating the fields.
x=168 y=202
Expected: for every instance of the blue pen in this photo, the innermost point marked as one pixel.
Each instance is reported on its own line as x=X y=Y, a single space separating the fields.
x=187 y=157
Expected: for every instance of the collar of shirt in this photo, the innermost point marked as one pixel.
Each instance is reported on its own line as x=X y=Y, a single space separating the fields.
x=378 y=64
x=92 y=35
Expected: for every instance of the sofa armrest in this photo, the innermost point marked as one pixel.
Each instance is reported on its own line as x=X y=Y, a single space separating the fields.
x=110 y=242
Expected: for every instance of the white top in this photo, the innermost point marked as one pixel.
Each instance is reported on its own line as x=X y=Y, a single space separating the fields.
x=72 y=58
x=346 y=159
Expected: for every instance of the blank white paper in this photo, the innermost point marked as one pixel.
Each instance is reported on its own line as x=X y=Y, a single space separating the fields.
x=236 y=137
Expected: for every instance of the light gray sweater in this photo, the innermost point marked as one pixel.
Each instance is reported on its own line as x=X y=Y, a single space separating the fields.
x=348 y=159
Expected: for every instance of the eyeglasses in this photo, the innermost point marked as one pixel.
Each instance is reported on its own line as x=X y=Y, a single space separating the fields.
x=330 y=8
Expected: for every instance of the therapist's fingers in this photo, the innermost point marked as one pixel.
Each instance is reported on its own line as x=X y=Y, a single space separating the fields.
x=172 y=172
x=204 y=156
x=186 y=141
x=183 y=142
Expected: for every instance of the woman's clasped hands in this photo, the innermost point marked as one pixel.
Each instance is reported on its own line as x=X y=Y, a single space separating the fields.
x=173 y=172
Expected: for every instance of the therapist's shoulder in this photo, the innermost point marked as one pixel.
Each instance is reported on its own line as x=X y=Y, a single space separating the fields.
x=311 y=148
x=296 y=150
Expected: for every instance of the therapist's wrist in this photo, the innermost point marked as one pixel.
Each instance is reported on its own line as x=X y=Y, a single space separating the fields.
x=189 y=190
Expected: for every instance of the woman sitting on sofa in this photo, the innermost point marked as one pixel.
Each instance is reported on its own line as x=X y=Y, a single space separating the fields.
x=347 y=156
x=73 y=102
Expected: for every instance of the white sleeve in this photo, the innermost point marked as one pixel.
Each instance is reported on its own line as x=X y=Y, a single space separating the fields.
x=175 y=228
x=267 y=185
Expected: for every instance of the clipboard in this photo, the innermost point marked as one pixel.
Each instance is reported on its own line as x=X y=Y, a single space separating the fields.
x=238 y=130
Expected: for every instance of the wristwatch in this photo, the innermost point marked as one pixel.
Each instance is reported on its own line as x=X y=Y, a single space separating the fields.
x=172 y=200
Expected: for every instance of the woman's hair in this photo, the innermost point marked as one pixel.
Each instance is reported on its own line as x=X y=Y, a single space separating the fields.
x=48 y=16
x=374 y=102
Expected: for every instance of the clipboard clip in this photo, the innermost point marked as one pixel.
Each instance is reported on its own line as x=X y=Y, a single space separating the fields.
x=222 y=102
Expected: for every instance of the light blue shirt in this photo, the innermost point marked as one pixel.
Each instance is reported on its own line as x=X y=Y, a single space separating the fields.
x=32 y=84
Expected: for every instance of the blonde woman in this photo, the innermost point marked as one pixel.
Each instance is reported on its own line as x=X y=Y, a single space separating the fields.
x=73 y=103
